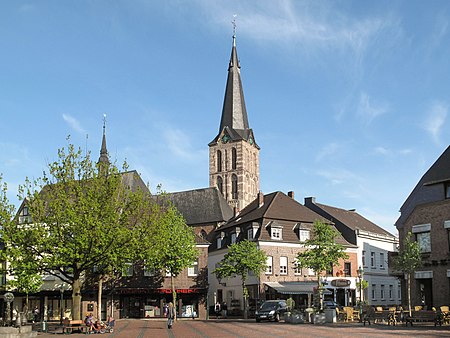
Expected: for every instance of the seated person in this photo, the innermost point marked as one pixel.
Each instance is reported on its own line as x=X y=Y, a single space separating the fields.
x=89 y=322
x=110 y=321
x=96 y=327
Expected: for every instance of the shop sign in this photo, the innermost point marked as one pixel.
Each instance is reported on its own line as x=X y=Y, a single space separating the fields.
x=179 y=290
x=340 y=283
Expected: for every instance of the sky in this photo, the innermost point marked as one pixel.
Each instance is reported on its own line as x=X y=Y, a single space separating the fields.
x=348 y=100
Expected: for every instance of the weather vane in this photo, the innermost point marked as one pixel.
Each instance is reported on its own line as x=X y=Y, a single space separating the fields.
x=234 y=24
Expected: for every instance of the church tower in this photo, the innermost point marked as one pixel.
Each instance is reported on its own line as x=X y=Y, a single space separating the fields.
x=234 y=154
x=104 y=158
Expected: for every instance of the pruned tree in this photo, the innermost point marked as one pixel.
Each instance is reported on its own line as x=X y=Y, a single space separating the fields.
x=408 y=260
x=242 y=258
x=82 y=215
x=170 y=245
x=322 y=252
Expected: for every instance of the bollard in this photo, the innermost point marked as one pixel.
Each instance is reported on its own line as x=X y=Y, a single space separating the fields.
x=19 y=319
x=44 y=326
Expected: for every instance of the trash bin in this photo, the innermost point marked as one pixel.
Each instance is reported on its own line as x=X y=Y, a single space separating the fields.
x=330 y=315
x=44 y=326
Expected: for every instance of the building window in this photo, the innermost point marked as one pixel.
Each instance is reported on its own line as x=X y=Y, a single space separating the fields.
x=381 y=260
x=447 y=190
x=269 y=268
x=391 y=292
x=347 y=269
x=374 y=292
x=297 y=268
x=448 y=238
x=149 y=271
x=372 y=260
x=127 y=270
x=193 y=269
x=364 y=258
x=233 y=158
x=250 y=233
x=220 y=184
x=283 y=265
x=423 y=238
x=203 y=234
x=233 y=238
x=219 y=242
x=382 y=292
x=303 y=235
x=219 y=161
x=234 y=187
x=276 y=233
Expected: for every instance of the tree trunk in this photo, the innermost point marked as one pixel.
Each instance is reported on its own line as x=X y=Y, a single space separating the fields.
x=408 y=277
x=99 y=298
x=174 y=294
x=244 y=293
x=76 y=299
x=319 y=289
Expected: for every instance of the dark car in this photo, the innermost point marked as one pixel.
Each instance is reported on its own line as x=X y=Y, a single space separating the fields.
x=329 y=304
x=271 y=310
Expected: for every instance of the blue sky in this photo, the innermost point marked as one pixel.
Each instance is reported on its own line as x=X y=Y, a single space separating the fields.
x=348 y=100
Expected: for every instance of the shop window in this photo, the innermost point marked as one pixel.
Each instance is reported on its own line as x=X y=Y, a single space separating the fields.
x=283 y=265
x=193 y=269
x=269 y=267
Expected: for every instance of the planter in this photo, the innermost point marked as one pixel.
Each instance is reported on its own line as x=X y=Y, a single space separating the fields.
x=330 y=315
x=318 y=318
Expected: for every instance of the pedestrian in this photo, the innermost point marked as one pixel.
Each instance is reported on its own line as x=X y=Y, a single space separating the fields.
x=170 y=315
x=35 y=314
x=224 y=309
x=217 y=309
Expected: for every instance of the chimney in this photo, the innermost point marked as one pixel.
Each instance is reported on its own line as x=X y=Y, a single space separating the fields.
x=291 y=194
x=310 y=200
x=260 y=199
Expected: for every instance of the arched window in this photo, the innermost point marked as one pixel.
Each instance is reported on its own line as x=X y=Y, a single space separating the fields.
x=219 y=160
x=220 y=184
x=234 y=187
x=233 y=158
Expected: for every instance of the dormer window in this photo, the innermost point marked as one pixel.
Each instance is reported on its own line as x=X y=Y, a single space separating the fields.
x=303 y=235
x=250 y=233
x=233 y=238
x=276 y=233
x=219 y=242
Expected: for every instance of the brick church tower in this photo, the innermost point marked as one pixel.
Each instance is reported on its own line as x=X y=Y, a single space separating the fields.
x=234 y=154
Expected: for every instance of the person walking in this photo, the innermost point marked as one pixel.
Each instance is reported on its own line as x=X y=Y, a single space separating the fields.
x=224 y=309
x=170 y=315
x=217 y=309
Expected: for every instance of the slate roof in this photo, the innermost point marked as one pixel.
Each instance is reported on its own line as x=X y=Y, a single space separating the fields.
x=352 y=219
x=202 y=206
x=439 y=171
x=234 y=121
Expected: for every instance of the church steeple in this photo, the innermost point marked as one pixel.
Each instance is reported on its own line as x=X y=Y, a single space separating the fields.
x=103 y=151
x=234 y=154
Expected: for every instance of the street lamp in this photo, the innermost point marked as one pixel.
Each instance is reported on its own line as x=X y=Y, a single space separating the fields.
x=61 y=288
x=360 y=278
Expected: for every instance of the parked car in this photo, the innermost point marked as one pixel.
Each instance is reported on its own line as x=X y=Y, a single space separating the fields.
x=271 y=310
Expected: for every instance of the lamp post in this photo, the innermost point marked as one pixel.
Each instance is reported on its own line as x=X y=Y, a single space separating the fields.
x=360 y=278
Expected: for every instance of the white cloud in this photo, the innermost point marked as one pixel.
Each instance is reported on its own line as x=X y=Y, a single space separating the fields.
x=338 y=176
x=328 y=150
x=74 y=124
x=368 y=110
x=437 y=114
x=382 y=151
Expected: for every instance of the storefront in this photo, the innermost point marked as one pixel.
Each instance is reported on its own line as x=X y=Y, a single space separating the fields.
x=342 y=290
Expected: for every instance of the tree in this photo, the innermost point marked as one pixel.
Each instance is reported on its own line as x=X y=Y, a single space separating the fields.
x=83 y=215
x=407 y=261
x=171 y=245
x=322 y=253
x=242 y=258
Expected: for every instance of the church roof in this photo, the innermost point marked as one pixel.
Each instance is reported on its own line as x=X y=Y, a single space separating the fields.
x=234 y=113
x=201 y=206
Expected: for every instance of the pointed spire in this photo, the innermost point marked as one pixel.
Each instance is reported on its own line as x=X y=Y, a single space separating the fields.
x=103 y=151
x=234 y=112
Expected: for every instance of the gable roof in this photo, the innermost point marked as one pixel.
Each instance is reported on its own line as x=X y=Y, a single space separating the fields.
x=439 y=171
x=351 y=219
x=277 y=206
x=201 y=206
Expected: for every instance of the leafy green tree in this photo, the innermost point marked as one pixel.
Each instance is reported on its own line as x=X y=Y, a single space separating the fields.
x=242 y=258
x=322 y=252
x=407 y=261
x=170 y=245
x=83 y=215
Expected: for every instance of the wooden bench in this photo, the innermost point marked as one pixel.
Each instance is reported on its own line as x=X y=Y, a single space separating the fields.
x=73 y=325
x=423 y=316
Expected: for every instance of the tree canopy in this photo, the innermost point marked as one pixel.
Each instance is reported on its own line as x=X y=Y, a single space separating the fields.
x=82 y=215
x=242 y=258
x=322 y=252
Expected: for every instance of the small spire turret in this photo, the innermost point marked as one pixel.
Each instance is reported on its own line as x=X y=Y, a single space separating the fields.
x=104 y=158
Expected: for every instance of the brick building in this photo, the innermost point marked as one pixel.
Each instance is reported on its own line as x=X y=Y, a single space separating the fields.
x=426 y=214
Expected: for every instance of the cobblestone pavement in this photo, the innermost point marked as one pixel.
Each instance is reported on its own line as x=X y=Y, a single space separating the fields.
x=135 y=328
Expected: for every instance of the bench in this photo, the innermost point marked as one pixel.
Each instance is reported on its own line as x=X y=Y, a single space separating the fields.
x=378 y=314
x=73 y=325
x=423 y=316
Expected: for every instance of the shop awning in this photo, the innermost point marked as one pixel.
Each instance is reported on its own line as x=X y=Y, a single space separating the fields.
x=293 y=288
